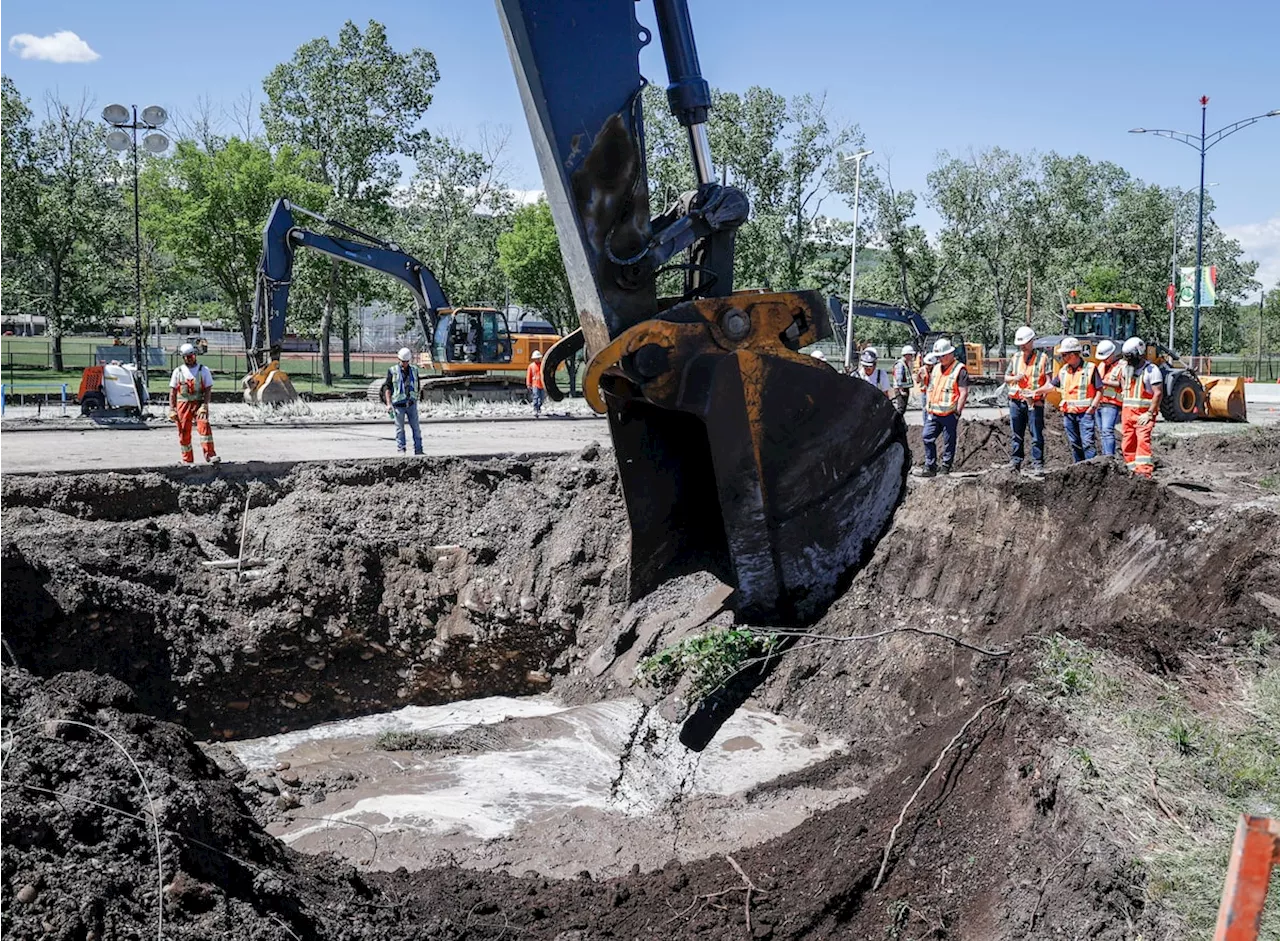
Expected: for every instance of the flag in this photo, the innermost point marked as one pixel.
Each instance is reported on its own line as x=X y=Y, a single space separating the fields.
x=1208 y=286
x=1170 y=298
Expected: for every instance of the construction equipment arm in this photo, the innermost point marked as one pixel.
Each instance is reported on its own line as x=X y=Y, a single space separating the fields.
x=281 y=237
x=878 y=311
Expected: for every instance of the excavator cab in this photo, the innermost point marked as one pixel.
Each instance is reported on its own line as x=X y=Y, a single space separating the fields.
x=471 y=338
x=1111 y=321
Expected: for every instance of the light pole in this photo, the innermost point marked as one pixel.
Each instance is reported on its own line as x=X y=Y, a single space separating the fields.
x=124 y=119
x=853 y=254
x=1206 y=141
x=1173 y=273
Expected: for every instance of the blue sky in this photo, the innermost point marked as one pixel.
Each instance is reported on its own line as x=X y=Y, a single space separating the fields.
x=920 y=78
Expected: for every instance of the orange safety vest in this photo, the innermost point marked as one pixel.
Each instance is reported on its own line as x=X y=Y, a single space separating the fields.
x=191 y=390
x=1035 y=371
x=1110 y=394
x=533 y=376
x=1076 y=387
x=944 y=389
x=1135 y=390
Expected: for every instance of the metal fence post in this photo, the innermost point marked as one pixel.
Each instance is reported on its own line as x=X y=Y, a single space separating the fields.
x=64 y=400
x=2 y=398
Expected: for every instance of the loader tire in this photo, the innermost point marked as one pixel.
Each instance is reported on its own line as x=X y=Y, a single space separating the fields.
x=92 y=402
x=1185 y=399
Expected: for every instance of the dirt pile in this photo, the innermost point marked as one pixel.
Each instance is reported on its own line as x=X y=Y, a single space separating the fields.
x=999 y=839
x=380 y=583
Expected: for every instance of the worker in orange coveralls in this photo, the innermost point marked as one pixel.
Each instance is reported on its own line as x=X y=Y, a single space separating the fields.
x=533 y=382
x=190 y=390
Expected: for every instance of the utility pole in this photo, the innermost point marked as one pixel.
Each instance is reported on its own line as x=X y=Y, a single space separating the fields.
x=853 y=255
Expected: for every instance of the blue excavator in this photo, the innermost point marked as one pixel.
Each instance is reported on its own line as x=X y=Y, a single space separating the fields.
x=738 y=453
x=472 y=348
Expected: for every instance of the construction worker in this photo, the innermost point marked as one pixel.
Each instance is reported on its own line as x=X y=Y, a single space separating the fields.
x=190 y=392
x=1081 y=388
x=869 y=371
x=948 y=391
x=1142 y=387
x=1027 y=374
x=904 y=379
x=1110 y=367
x=400 y=393
x=922 y=378
x=533 y=382
x=819 y=356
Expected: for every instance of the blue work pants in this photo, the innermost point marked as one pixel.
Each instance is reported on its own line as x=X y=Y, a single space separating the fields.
x=408 y=413
x=1079 y=429
x=1108 y=418
x=1022 y=414
x=946 y=425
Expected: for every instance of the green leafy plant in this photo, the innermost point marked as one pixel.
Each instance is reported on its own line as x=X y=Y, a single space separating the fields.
x=709 y=660
x=1067 y=667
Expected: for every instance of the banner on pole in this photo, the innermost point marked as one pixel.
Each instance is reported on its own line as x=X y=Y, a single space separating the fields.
x=1208 y=286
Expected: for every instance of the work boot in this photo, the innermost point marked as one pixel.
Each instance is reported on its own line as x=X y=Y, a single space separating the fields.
x=1015 y=466
x=928 y=471
x=944 y=469
x=1037 y=470
x=215 y=459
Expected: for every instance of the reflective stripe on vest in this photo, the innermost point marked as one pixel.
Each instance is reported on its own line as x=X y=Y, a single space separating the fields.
x=1110 y=394
x=944 y=389
x=1077 y=388
x=1036 y=370
x=901 y=375
x=399 y=393
x=1135 y=390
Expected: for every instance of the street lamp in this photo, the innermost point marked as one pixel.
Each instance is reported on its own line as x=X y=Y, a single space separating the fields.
x=1173 y=272
x=1206 y=141
x=123 y=119
x=853 y=254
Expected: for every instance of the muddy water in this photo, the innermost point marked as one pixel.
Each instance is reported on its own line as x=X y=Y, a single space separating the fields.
x=543 y=787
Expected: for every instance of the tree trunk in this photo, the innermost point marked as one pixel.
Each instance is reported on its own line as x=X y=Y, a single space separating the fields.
x=54 y=326
x=246 y=328
x=326 y=326
x=346 y=341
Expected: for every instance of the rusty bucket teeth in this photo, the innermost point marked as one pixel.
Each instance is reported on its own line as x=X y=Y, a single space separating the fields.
x=781 y=482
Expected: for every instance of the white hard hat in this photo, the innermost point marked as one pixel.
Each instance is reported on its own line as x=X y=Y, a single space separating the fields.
x=405 y=354
x=187 y=349
x=1106 y=349
x=1024 y=335
x=943 y=346
x=1134 y=345
x=908 y=350
x=931 y=359
x=1069 y=345
x=818 y=354
x=537 y=354
x=869 y=356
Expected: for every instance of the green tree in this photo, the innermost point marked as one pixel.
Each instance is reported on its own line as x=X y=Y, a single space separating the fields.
x=454 y=211
x=357 y=104
x=66 y=244
x=206 y=208
x=529 y=255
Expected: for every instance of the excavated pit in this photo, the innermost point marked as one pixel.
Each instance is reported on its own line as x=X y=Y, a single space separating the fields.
x=483 y=603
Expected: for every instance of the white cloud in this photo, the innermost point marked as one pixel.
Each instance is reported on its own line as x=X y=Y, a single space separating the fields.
x=62 y=46
x=1261 y=243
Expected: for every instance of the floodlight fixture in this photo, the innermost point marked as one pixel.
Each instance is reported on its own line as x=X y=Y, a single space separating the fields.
x=155 y=143
x=118 y=140
x=115 y=114
x=154 y=116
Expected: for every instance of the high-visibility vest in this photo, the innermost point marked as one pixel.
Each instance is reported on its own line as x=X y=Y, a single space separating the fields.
x=1110 y=394
x=944 y=389
x=1035 y=371
x=1076 y=387
x=533 y=375
x=401 y=392
x=902 y=379
x=191 y=384
x=1135 y=390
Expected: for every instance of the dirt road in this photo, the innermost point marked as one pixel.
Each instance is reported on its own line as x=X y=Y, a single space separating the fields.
x=153 y=447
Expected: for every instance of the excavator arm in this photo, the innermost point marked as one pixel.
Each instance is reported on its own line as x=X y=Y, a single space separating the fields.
x=737 y=453
x=281 y=237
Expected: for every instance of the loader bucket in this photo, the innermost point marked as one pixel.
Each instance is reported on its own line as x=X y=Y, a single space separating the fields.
x=1224 y=397
x=747 y=458
x=269 y=385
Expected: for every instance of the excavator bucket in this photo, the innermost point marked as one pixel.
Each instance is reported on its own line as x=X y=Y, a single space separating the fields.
x=269 y=385
x=1224 y=397
x=742 y=456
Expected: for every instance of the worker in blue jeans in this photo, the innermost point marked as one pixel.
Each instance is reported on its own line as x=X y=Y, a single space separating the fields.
x=1027 y=373
x=944 y=403
x=1080 y=387
x=1110 y=370
x=400 y=393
